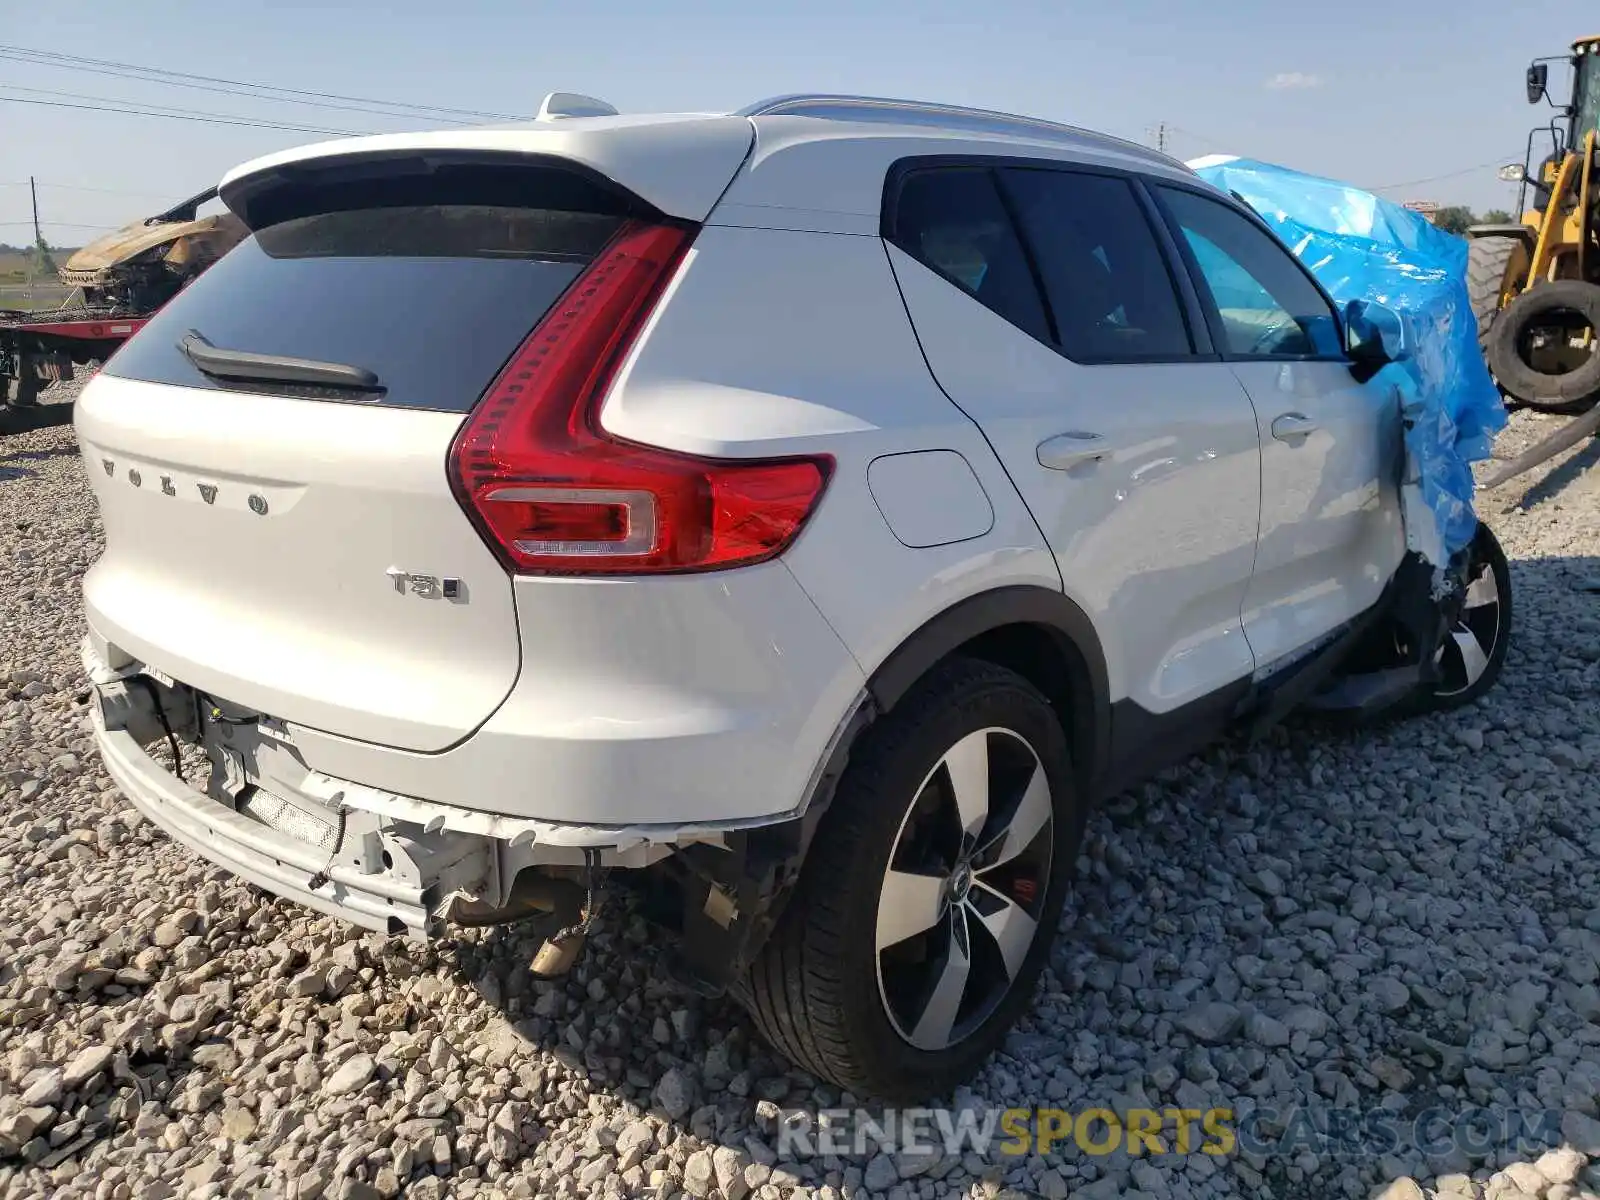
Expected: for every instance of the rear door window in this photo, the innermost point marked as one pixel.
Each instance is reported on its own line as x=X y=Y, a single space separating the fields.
x=1106 y=278
x=954 y=221
x=431 y=298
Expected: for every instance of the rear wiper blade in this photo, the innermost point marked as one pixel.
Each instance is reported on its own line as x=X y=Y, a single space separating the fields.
x=273 y=368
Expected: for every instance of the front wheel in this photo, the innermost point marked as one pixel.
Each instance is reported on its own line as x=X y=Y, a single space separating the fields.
x=931 y=894
x=1474 y=651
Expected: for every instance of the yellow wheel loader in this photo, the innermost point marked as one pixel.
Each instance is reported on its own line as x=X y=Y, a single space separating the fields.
x=1535 y=284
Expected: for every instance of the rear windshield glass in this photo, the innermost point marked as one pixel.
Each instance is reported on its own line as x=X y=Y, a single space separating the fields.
x=432 y=299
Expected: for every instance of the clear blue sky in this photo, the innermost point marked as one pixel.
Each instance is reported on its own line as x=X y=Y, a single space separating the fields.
x=1382 y=93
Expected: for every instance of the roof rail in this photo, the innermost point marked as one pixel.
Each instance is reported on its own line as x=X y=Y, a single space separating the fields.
x=923 y=112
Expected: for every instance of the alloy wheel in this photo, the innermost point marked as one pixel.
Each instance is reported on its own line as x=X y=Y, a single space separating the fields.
x=1466 y=653
x=960 y=903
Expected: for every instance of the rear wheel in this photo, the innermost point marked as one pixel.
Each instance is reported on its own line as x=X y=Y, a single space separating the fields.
x=931 y=894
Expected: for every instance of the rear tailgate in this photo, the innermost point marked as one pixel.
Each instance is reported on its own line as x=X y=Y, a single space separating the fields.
x=289 y=542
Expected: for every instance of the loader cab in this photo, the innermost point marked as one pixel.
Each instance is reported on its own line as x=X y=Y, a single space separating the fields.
x=1585 y=91
x=1551 y=143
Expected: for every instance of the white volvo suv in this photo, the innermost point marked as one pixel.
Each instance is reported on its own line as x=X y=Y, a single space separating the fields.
x=802 y=514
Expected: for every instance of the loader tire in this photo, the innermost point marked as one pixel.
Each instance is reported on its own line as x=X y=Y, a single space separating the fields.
x=1488 y=259
x=1571 y=300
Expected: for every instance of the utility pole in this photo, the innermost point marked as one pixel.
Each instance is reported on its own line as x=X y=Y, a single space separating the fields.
x=40 y=261
x=1161 y=137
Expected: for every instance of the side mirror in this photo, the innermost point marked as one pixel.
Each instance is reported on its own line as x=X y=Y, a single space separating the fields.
x=1538 y=78
x=1512 y=173
x=1375 y=335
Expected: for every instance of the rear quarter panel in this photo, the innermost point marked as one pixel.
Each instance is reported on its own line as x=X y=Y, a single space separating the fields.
x=777 y=341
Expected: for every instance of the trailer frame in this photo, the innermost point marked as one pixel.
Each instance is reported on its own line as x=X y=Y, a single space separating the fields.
x=41 y=348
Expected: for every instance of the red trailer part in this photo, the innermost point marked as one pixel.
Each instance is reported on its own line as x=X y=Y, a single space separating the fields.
x=37 y=349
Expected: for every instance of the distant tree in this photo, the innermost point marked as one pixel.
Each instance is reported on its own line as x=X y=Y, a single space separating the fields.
x=1496 y=216
x=43 y=262
x=1454 y=218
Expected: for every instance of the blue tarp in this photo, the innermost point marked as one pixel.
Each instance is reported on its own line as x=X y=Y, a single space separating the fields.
x=1362 y=247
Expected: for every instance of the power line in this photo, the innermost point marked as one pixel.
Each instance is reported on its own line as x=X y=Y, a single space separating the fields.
x=63 y=224
x=228 y=91
x=1389 y=187
x=165 y=109
x=137 y=113
x=288 y=95
x=76 y=187
x=202 y=118
x=1197 y=137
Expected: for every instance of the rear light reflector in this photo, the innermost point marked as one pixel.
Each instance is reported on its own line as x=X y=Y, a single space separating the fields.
x=577 y=521
x=551 y=493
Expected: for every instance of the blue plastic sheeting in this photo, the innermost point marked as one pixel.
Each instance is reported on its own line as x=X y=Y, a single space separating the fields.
x=1362 y=247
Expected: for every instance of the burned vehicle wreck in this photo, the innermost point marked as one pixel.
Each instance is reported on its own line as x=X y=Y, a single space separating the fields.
x=141 y=266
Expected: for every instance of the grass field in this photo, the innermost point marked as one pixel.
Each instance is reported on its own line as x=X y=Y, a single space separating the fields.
x=15 y=291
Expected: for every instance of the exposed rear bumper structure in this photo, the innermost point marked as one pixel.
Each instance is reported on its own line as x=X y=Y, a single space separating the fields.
x=386 y=862
x=256 y=852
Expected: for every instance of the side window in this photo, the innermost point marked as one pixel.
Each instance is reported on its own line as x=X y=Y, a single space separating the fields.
x=1268 y=307
x=1107 y=281
x=953 y=221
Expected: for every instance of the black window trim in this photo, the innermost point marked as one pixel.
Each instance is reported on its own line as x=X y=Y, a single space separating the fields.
x=1213 y=315
x=1197 y=320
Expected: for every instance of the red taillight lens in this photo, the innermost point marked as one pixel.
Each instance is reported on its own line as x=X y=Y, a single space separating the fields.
x=552 y=494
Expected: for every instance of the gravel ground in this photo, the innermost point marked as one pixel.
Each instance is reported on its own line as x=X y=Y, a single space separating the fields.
x=1393 y=920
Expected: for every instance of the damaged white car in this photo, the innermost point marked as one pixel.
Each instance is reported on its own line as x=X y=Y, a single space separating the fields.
x=799 y=516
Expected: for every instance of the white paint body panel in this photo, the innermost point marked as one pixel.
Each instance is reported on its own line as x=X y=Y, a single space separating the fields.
x=1331 y=531
x=680 y=164
x=734 y=368
x=802 y=166
x=1156 y=541
x=930 y=498
x=677 y=700
x=292 y=612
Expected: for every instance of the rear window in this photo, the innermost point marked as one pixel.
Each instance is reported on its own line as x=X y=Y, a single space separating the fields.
x=431 y=298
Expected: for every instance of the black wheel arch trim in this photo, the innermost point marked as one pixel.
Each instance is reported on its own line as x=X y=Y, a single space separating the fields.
x=755 y=871
x=1089 y=720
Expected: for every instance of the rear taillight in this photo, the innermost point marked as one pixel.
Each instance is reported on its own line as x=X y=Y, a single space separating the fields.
x=553 y=494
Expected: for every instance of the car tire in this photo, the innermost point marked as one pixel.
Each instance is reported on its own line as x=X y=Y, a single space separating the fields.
x=1474 y=654
x=920 y=924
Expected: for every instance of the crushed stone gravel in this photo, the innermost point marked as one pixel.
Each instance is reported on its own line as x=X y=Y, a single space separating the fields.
x=1397 y=919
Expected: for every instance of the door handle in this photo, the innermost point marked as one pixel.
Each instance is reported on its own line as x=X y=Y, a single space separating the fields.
x=1293 y=425
x=1067 y=450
